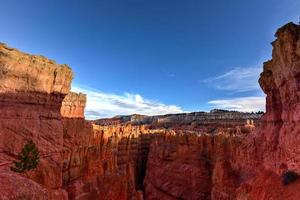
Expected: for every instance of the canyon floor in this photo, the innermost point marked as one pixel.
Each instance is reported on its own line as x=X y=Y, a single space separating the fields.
x=217 y=155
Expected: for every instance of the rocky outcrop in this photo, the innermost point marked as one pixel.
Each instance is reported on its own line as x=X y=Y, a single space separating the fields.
x=81 y=160
x=280 y=80
x=22 y=72
x=190 y=166
x=176 y=169
x=76 y=161
x=90 y=168
x=217 y=155
x=32 y=89
x=73 y=105
x=247 y=166
x=131 y=146
x=277 y=145
x=209 y=122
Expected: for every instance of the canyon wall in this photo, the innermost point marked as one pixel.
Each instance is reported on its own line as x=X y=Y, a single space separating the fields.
x=191 y=166
x=239 y=166
x=277 y=141
x=280 y=80
x=76 y=160
x=218 y=155
x=73 y=105
x=31 y=91
x=209 y=122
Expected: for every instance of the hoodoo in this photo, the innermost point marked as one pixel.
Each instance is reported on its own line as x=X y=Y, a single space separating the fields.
x=251 y=166
x=220 y=155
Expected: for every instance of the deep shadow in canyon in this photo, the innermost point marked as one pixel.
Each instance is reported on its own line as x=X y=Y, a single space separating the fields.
x=217 y=155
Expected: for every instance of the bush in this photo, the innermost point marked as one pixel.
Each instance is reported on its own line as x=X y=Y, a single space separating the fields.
x=260 y=112
x=28 y=159
x=289 y=177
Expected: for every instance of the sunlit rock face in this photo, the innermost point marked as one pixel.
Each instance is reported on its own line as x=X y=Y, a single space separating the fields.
x=99 y=161
x=190 y=166
x=22 y=72
x=31 y=91
x=76 y=161
x=73 y=105
x=218 y=155
x=209 y=122
x=239 y=166
x=280 y=80
x=277 y=140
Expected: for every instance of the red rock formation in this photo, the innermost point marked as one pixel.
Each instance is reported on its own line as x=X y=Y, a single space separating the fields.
x=277 y=146
x=91 y=169
x=242 y=166
x=73 y=105
x=189 y=166
x=22 y=72
x=31 y=91
x=81 y=160
x=197 y=121
x=281 y=82
x=76 y=161
x=17 y=187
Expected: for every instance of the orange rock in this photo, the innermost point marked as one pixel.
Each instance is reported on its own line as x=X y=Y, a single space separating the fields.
x=110 y=158
x=73 y=105
x=22 y=72
x=241 y=166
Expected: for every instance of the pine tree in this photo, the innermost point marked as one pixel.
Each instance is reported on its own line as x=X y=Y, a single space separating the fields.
x=28 y=159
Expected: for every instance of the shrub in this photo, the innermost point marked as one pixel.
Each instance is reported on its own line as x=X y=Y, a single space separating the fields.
x=27 y=159
x=289 y=177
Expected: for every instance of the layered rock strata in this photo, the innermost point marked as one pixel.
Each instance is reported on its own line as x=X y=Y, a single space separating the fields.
x=73 y=105
x=76 y=161
x=108 y=159
x=276 y=142
x=31 y=91
x=209 y=122
x=244 y=166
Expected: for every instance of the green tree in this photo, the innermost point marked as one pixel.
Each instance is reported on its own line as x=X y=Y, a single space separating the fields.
x=27 y=159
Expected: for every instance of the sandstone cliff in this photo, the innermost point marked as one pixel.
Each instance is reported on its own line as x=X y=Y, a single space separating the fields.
x=32 y=89
x=277 y=144
x=209 y=122
x=248 y=166
x=186 y=156
x=22 y=72
x=76 y=161
x=73 y=105
x=280 y=80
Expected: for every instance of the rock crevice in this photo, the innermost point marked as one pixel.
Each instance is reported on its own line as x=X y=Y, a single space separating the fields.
x=217 y=155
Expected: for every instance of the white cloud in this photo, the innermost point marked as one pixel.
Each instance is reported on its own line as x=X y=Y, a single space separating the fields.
x=237 y=80
x=101 y=104
x=242 y=104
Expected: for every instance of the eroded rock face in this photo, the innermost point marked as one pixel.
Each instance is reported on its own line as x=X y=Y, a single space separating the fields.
x=90 y=165
x=32 y=89
x=17 y=187
x=73 y=105
x=278 y=146
x=76 y=160
x=189 y=166
x=208 y=122
x=22 y=72
x=280 y=80
x=240 y=166
x=109 y=160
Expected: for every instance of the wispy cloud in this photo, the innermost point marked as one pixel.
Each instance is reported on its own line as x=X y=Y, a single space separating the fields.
x=101 y=104
x=237 y=80
x=243 y=104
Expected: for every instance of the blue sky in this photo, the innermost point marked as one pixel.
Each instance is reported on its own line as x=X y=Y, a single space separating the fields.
x=153 y=57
